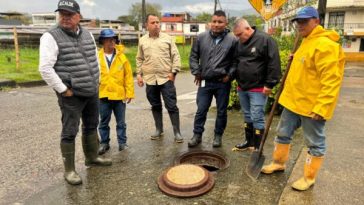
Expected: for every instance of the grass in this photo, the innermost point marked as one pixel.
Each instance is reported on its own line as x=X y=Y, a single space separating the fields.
x=29 y=58
x=28 y=70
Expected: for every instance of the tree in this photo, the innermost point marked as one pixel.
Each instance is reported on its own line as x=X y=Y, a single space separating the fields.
x=203 y=17
x=255 y=21
x=135 y=13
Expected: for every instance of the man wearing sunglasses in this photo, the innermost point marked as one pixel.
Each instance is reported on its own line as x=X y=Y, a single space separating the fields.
x=309 y=96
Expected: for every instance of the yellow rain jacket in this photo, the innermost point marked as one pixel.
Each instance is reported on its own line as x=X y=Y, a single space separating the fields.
x=117 y=82
x=315 y=76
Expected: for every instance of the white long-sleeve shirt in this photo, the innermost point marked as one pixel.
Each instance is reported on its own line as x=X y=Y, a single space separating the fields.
x=48 y=52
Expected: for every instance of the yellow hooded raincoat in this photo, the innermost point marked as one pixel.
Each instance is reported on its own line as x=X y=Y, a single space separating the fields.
x=117 y=82
x=315 y=76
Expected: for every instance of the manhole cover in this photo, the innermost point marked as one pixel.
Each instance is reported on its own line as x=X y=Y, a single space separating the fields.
x=185 y=180
x=212 y=161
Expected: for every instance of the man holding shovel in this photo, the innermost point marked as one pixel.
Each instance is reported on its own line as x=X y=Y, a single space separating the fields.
x=309 y=96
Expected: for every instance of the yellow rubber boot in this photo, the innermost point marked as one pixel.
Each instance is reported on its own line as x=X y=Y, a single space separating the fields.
x=311 y=169
x=280 y=156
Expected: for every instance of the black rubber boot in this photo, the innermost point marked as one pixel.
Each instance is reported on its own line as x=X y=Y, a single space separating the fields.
x=158 y=120
x=195 y=140
x=249 y=136
x=90 y=146
x=217 y=140
x=68 y=155
x=176 y=128
x=258 y=134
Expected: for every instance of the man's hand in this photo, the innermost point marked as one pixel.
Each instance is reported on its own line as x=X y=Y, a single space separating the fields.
x=197 y=80
x=128 y=100
x=267 y=91
x=225 y=79
x=171 y=76
x=140 y=81
x=317 y=117
x=67 y=93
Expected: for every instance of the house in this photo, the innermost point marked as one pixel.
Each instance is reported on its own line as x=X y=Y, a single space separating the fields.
x=12 y=18
x=181 y=25
x=44 y=19
x=345 y=16
x=11 y=22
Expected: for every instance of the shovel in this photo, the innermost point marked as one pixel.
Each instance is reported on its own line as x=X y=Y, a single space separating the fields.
x=257 y=158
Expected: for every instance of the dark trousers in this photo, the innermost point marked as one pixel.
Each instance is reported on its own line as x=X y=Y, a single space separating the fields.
x=168 y=92
x=75 y=108
x=221 y=92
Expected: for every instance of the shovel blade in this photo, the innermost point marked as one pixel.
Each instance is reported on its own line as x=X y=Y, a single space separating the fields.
x=255 y=164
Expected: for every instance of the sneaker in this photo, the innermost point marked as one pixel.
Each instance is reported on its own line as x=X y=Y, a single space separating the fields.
x=103 y=148
x=123 y=147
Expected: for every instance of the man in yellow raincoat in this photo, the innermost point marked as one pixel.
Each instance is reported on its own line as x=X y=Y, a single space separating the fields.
x=116 y=89
x=309 y=96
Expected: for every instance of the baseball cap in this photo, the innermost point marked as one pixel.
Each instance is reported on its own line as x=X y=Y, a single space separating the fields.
x=68 y=5
x=306 y=13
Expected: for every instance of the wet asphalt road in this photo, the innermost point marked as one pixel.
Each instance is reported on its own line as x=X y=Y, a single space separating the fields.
x=32 y=170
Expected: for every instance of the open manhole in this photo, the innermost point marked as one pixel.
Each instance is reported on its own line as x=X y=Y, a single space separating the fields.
x=211 y=161
x=185 y=180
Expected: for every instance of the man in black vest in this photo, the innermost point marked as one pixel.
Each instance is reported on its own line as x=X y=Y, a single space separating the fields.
x=68 y=64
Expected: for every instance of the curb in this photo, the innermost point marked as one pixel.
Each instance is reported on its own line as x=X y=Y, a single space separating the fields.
x=13 y=84
x=7 y=83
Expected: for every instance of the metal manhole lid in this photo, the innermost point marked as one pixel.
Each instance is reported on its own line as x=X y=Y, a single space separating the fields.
x=185 y=180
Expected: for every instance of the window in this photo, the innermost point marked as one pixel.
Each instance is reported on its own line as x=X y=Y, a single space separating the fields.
x=171 y=27
x=336 y=19
x=194 y=28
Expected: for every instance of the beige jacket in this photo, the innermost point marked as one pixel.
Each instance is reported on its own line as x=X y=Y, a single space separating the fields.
x=156 y=58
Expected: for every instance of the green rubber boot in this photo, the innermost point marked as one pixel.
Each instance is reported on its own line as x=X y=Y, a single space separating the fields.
x=68 y=155
x=90 y=146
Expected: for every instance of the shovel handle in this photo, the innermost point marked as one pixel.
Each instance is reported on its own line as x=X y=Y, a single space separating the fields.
x=271 y=113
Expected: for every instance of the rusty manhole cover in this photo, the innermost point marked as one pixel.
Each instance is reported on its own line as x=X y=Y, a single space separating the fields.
x=186 y=180
x=212 y=161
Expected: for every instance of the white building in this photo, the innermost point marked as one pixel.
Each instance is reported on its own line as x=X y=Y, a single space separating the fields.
x=44 y=19
x=180 y=25
x=345 y=16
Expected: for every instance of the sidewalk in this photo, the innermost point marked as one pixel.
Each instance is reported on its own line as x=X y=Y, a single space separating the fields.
x=341 y=178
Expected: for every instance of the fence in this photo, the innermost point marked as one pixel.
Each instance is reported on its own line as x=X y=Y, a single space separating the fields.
x=28 y=36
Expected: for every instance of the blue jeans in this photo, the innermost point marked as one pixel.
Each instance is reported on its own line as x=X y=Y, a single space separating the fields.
x=313 y=131
x=221 y=92
x=106 y=108
x=252 y=105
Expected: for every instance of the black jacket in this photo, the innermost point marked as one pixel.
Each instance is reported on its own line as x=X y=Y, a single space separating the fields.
x=257 y=61
x=213 y=61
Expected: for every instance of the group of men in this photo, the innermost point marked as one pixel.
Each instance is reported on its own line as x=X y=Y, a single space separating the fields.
x=71 y=65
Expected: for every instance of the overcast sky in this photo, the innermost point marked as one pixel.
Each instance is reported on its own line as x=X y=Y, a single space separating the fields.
x=111 y=9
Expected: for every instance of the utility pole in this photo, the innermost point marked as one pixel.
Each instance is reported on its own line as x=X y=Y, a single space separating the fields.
x=143 y=15
x=322 y=10
x=215 y=6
